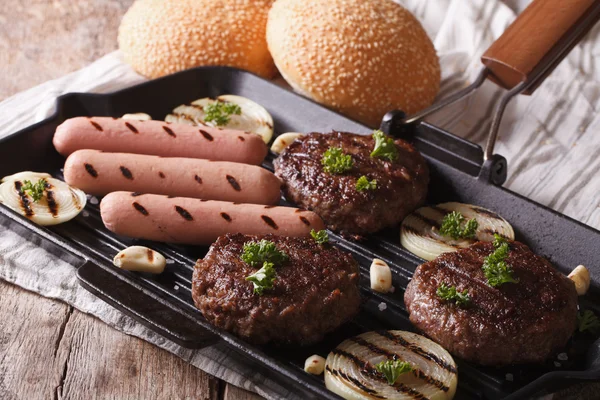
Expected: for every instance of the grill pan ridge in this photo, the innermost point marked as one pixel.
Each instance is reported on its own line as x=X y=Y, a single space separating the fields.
x=163 y=303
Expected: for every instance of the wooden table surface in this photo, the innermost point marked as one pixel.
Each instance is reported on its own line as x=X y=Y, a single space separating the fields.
x=48 y=350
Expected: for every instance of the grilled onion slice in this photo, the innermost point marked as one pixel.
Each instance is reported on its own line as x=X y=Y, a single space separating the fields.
x=254 y=117
x=284 y=140
x=420 y=235
x=350 y=368
x=59 y=203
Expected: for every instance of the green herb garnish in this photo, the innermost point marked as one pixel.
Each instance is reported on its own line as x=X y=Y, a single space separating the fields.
x=36 y=191
x=219 y=112
x=363 y=184
x=452 y=225
x=449 y=293
x=495 y=268
x=587 y=321
x=257 y=253
x=320 y=237
x=335 y=161
x=384 y=147
x=393 y=369
x=263 y=278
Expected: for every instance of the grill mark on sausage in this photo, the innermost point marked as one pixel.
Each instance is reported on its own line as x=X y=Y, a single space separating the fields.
x=150 y=255
x=270 y=206
x=234 y=184
x=417 y=350
x=171 y=196
x=140 y=208
x=126 y=172
x=269 y=221
x=131 y=127
x=161 y=174
x=393 y=356
x=90 y=170
x=371 y=371
x=206 y=135
x=198 y=179
x=304 y=220
x=25 y=204
x=135 y=194
x=241 y=138
x=184 y=213
x=226 y=217
x=358 y=383
x=52 y=204
x=299 y=210
x=169 y=131
x=96 y=125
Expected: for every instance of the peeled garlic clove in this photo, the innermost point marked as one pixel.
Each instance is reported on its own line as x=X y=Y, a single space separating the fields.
x=137 y=117
x=314 y=365
x=253 y=118
x=381 y=276
x=581 y=278
x=140 y=259
x=284 y=140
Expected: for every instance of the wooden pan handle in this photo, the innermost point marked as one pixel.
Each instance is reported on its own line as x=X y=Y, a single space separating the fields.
x=537 y=41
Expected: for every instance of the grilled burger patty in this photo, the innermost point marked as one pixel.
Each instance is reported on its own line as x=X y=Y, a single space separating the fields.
x=513 y=323
x=314 y=292
x=401 y=184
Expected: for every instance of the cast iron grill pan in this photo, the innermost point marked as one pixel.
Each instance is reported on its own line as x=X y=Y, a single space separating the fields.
x=164 y=302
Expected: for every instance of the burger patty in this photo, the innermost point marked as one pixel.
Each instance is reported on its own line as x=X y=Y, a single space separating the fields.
x=314 y=292
x=512 y=323
x=401 y=184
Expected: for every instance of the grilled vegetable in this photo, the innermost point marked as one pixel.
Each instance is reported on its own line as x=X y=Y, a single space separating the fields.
x=41 y=198
x=252 y=117
x=421 y=232
x=355 y=369
x=284 y=140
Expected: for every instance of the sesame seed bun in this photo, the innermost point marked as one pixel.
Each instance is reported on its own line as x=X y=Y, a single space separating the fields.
x=361 y=57
x=159 y=37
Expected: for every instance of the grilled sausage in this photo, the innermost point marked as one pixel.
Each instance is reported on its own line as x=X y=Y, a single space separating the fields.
x=158 y=138
x=100 y=173
x=199 y=222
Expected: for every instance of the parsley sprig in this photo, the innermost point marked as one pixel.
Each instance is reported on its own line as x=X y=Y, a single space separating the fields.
x=335 y=161
x=363 y=183
x=384 y=147
x=495 y=268
x=449 y=293
x=256 y=253
x=321 y=237
x=35 y=190
x=392 y=369
x=452 y=225
x=219 y=112
x=587 y=321
x=263 y=278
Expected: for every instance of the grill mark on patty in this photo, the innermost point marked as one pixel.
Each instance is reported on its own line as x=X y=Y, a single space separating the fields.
x=368 y=369
x=234 y=184
x=198 y=179
x=417 y=350
x=184 y=213
x=304 y=220
x=131 y=127
x=126 y=172
x=150 y=255
x=358 y=383
x=206 y=135
x=52 y=204
x=140 y=208
x=226 y=217
x=24 y=200
x=269 y=221
x=90 y=170
x=393 y=356
x=96 y=125
x=169 y=131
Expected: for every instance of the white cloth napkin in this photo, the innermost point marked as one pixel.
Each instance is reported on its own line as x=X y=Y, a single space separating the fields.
x=549 y=140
